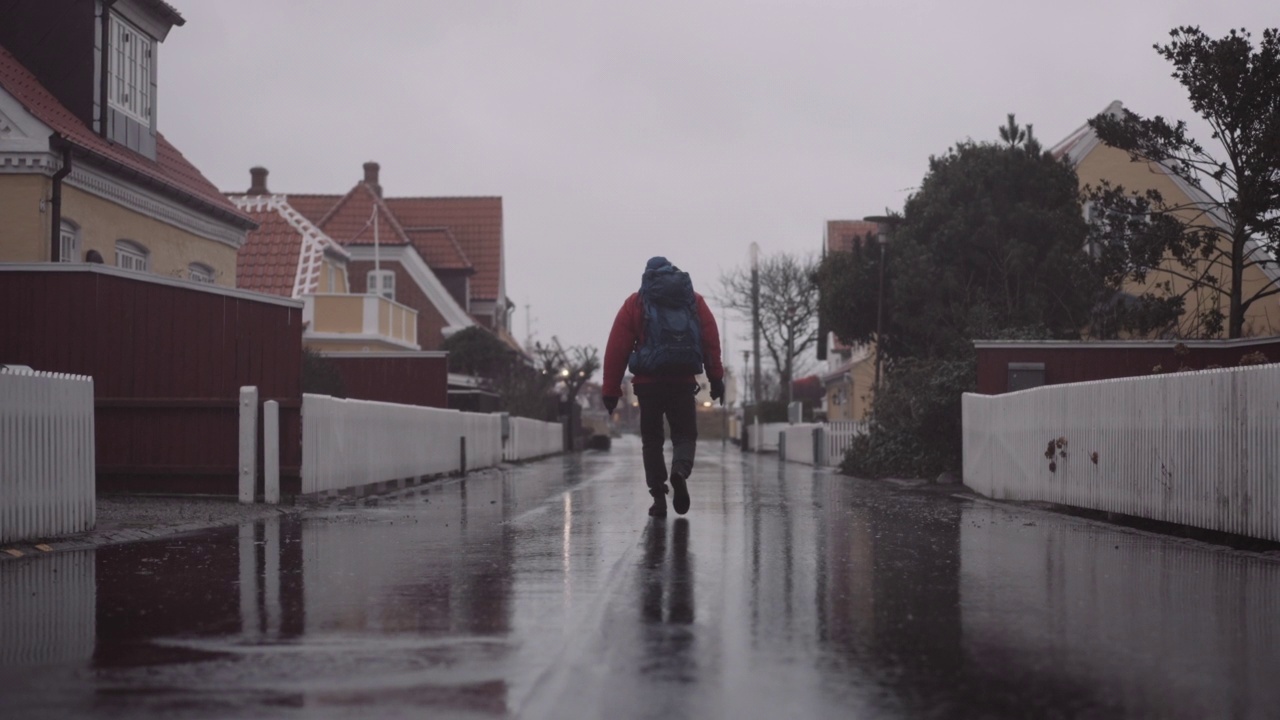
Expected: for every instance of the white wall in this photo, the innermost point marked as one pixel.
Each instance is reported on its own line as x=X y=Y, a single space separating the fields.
x=349 y=443
x=1199 y=448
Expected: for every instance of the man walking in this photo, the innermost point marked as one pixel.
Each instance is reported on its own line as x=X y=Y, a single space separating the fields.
x=665 y=334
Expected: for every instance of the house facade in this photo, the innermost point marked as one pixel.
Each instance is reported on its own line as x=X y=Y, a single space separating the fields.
x=1095 y=161
x=85 y=174
x=288 y=255
x=440 y=257
x=848 y=379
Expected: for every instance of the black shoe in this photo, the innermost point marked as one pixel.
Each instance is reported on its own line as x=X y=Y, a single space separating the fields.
x=680 y=499
x=659 y=507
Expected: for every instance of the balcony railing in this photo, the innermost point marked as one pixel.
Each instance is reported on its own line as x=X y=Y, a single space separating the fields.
x=342 y=318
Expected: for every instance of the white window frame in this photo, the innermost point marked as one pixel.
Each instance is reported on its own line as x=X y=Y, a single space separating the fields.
x=132 y=256
x=386 y=288
x=69 y=242
x=132 y=54
x=201 y=273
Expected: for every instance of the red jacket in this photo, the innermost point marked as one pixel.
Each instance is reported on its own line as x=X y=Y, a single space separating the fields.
x=628 y=331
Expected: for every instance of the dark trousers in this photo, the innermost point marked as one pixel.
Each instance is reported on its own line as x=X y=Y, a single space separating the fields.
x=674 y=403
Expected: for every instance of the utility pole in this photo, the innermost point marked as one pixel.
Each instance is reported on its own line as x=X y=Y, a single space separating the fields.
x=755 y=321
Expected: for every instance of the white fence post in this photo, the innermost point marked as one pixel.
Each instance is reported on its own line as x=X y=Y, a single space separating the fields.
x=271 y=452
x=248 y=442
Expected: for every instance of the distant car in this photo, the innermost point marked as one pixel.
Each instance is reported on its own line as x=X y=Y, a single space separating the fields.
x=599 y=442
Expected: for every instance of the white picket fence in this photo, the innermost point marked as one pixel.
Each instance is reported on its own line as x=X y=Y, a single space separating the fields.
x=529 y=439
x=1199 y=448
x=837 y=437
x=46 y=455
x=49 y=615
x=820 y=444
x=350 y=443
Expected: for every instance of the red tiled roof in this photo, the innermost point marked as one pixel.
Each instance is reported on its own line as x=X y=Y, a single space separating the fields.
x=268 y=261
x=841 y=234
x=349 y=221
x=439 y=248
x=476 y=222
x=473 y=224
x=314 y=207
x=170 y=171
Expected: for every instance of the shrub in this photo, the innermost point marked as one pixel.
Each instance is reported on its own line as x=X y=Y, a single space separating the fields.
x=320 y=376
x=916 y=431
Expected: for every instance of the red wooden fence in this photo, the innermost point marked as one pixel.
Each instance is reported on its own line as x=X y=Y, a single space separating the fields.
x=167 y=358
x=1070 y=361
x=408 y=378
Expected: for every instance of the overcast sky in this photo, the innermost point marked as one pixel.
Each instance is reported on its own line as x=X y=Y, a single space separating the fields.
x=615 y=131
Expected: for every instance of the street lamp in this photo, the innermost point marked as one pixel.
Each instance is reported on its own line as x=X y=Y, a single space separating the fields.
x=884 y=228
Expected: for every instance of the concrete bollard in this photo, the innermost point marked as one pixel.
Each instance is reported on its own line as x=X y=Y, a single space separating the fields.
x=271 y=452
x=248 y=442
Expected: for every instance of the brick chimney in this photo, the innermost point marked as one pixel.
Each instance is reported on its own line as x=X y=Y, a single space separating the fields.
x=371 y=177
x=258 y=183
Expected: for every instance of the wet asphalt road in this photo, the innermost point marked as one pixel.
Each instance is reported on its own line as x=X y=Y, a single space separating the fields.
x=545 y=592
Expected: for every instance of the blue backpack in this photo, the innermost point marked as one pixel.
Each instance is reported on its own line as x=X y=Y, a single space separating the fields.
x=672 y=343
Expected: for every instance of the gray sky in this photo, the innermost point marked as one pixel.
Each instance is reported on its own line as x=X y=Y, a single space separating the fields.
x=616 y=131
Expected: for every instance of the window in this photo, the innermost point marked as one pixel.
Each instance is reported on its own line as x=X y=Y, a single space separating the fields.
x=199 y=272
x=131 y=256
x=129 y=87
x=381 y=282
x=69 y=245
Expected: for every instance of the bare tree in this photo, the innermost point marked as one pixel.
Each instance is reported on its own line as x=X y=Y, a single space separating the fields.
x=788 y=309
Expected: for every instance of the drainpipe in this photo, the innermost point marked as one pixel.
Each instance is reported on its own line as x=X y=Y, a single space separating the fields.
x=55 y=200
x=104 y=67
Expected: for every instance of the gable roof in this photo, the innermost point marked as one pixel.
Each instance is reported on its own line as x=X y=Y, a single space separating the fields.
x=1084 y=140
x=170 y=173
x=350 y=221
x=475 y=222
x=284 y=255
x=439 y=248
x=446 y=232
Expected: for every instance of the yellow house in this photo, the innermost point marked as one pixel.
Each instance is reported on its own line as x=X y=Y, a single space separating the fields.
x=1095 y=161
x=849 y=379
x=849 y=383
x=84 y=174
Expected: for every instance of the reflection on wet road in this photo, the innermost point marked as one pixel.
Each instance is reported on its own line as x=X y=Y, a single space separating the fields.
x=546 y=591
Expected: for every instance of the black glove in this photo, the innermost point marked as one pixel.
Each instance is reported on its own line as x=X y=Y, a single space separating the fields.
x=610 y=403
x=717 y=391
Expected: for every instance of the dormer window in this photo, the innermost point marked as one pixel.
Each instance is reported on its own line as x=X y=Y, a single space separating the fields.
x=130 y=81
x=381 y=282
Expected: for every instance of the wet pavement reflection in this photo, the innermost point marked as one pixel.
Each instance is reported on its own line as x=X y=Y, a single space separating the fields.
x=545 y=591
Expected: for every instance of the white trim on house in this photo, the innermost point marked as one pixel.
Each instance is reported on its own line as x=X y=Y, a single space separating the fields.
x=357 y=339
x=69 y=242
x=315 y=243
x=454 y=316
x=392 y=354
x=20 y=131
x=24 y=149
x=152 y=205
x=129 y=69
x=200 y=272
x=144 y=18
x=132 y=255
x=151 y=278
